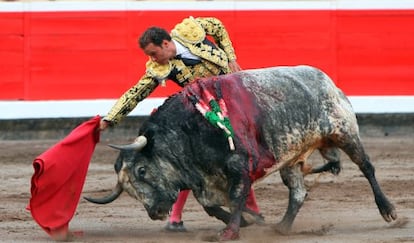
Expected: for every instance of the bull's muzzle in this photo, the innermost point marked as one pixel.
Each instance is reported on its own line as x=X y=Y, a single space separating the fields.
x=159 y=211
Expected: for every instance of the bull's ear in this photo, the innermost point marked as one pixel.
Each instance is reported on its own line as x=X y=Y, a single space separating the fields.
x=137 y=145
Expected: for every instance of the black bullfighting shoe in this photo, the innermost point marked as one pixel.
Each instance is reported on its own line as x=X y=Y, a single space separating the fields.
x=175 y=227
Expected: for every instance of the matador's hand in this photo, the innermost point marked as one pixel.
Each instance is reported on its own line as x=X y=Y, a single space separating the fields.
x=103 y=125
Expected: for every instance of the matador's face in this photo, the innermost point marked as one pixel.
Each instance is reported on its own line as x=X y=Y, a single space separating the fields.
x=160 y=54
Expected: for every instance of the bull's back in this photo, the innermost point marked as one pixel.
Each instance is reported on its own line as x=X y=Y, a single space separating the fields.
x=290 y=85
x=299 y=106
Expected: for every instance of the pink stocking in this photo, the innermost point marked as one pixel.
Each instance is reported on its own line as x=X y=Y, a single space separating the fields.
x=251 y=202
x=177 y=208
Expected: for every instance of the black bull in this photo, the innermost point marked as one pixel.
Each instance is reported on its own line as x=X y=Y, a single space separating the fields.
x=279 y=115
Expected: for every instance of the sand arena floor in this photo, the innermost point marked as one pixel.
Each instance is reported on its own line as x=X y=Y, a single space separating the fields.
x=337 y=209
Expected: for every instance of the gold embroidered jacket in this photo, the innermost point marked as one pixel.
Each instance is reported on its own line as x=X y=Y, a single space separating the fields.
x=191 y=33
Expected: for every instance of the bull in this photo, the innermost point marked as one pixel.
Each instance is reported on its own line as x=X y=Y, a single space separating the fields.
x=278 y=117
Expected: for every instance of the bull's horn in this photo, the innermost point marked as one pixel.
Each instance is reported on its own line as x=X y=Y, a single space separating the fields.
x=138 y=144
x=109 y=198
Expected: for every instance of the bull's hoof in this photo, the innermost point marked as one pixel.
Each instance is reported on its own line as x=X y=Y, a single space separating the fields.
x=389 y=217
x=389 y=213
x=387 y=210
x=283 y=229
x=228 y=235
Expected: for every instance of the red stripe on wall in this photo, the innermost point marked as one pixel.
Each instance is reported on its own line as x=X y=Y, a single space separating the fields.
x=11 y=55
x=93 y=55
x=375 y=52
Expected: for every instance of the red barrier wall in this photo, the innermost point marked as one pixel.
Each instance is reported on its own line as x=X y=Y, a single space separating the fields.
x=94 y=54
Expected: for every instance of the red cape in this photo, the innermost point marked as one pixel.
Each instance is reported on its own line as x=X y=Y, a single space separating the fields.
x=59 y=175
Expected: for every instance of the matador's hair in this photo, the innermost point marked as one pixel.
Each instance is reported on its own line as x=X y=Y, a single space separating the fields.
x=153 y=35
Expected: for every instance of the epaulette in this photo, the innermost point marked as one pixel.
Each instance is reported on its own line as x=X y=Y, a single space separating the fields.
x=189 y=30
x=159 y=71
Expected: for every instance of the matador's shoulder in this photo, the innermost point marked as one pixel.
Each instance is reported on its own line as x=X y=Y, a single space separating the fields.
x=189 y=31
x=157 y=71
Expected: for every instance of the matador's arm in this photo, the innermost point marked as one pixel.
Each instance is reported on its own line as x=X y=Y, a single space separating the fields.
x=130 y=99
x=215 y=28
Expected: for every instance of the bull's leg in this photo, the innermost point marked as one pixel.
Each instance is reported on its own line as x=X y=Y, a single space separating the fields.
x=218 y=213
x=239 y=186
x=332 y=155
x=354 y=149
x=224 y=216
x=231 y=231
x=293 y=178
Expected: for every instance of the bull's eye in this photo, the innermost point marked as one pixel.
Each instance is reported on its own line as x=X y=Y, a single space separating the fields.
x=140 y=172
